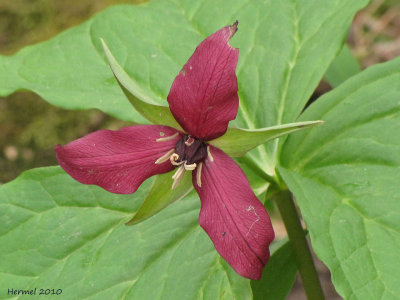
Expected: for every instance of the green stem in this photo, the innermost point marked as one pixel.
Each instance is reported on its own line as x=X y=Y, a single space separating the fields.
x=256 y=169
x=305 y=263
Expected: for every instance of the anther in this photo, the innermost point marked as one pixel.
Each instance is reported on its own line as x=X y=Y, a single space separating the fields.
x=209 y=154
x=177 y=177
x=198 y=174
x=168 y=138
x=165 y=157
x=190 y=167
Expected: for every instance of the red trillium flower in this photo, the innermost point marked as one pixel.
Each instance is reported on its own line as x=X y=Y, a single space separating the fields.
x=203 y=99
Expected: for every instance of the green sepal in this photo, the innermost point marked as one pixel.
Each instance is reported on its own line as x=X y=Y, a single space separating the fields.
x=161 y=195
x=138 y=97
x=236 y=141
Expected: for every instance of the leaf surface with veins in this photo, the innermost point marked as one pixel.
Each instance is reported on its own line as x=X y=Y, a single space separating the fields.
x=346 y=178
x=285 y=48
x=57 y=233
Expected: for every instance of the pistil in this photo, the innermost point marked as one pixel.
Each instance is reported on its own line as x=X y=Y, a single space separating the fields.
x=174 y=158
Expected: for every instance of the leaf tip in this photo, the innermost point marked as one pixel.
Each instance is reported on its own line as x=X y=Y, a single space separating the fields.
x=132 y=221
x=311 y=123
x=103 y=43
x=319 y=122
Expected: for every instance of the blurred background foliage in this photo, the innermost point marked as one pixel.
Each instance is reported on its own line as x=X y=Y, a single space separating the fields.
x=30 y=128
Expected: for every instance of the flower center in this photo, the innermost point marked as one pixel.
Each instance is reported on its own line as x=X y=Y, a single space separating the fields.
x=189 y=151
x=188 y=155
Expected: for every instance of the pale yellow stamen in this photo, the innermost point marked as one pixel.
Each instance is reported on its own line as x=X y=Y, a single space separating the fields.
x=209 y=154
x=168 y=138
x=178 y=177
x=174 y=158
x=190 y=167
x=165 y=157
x=198 y=174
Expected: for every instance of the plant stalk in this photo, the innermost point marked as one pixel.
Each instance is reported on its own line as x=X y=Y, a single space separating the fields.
x=297 y=238
x=256 y=169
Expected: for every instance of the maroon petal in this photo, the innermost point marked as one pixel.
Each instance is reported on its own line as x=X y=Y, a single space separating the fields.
x=232 y=216
x=119 y=161
x=203 y=97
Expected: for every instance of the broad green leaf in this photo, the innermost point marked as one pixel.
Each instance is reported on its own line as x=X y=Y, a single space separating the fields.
x=346 y=178
x=279 y=274
x=343 y=67
x=285 y=48
x=161 y=195
x=139 y=97
x=284 y=52
x=57 y=233
x=237 y=141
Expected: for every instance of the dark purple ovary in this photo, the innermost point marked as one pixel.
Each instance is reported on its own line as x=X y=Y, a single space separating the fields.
x=191 y=150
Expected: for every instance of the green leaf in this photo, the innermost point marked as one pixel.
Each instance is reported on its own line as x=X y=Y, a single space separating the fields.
x=345 y=176
x=161 y=195
x=138 y=96
x=285 y=48
x=237 y=141
x=57 y=233
x=284 y=52
x=343 y=67
x=279 y=274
